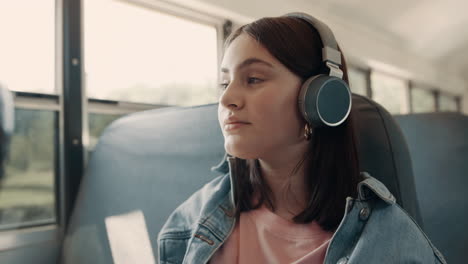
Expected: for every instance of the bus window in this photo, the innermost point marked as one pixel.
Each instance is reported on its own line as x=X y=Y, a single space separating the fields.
x=27 y=193
x=447 y=103
x=390 y=92
x=422 y=100
x=358 y=81
x=27 y=67
x=138 y=54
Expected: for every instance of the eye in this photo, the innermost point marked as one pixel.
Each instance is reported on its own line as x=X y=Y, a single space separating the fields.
x=254 y=80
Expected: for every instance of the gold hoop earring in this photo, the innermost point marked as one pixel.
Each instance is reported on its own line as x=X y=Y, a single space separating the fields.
x=307 y=132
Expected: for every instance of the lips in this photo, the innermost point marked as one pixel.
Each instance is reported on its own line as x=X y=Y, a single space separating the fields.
x=233 y=123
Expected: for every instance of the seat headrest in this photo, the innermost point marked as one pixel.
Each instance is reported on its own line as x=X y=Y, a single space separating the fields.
x=383 y=152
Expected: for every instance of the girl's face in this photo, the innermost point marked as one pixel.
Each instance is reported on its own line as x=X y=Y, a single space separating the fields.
x=258 y=111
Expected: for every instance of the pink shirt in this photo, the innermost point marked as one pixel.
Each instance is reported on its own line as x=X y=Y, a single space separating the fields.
x=260 y=236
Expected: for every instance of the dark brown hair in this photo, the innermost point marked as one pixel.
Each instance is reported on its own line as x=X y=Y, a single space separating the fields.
x=331 y=162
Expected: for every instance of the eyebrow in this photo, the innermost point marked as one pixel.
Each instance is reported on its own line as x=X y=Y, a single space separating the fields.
x=248 y=62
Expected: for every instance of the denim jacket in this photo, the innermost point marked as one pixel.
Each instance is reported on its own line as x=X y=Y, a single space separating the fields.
x=374 y=228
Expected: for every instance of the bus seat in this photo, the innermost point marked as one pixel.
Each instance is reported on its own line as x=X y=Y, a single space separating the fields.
x=152 y=161
x=438 y=145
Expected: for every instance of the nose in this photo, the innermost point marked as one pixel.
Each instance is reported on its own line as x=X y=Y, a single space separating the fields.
x=232 y=97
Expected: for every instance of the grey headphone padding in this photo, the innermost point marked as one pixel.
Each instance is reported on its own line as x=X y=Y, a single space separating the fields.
x=324 y=101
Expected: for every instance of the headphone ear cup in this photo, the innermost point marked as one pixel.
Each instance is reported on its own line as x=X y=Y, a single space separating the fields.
x=324 y=101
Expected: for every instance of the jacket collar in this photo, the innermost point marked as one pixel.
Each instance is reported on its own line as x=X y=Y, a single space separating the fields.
x=226 y=166
x=367 y=188
x=370 y=187
x=223 y=165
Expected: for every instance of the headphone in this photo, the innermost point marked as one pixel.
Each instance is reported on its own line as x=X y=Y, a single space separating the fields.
x=324 y=100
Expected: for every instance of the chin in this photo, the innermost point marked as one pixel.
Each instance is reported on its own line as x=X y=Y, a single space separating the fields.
x=239 y=151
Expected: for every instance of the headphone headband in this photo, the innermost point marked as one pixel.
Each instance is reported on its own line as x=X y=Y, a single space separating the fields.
x=330 y=52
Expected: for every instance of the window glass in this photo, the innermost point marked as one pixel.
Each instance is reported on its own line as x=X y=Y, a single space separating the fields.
x=27 y=186
x=423 y=100
x=357 y=81
x=390 y=92
x=447 y=103
x=138 y=54
x=27 y=57
x=97 y=125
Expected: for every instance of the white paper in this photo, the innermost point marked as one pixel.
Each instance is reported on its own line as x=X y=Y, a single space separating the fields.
x=129 y=239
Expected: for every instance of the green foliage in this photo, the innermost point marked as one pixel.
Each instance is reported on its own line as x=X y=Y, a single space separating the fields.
x=27 y=191
x=33 y=141
x=99 y=122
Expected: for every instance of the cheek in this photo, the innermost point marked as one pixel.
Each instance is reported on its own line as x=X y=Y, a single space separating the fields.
x=279 y=112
